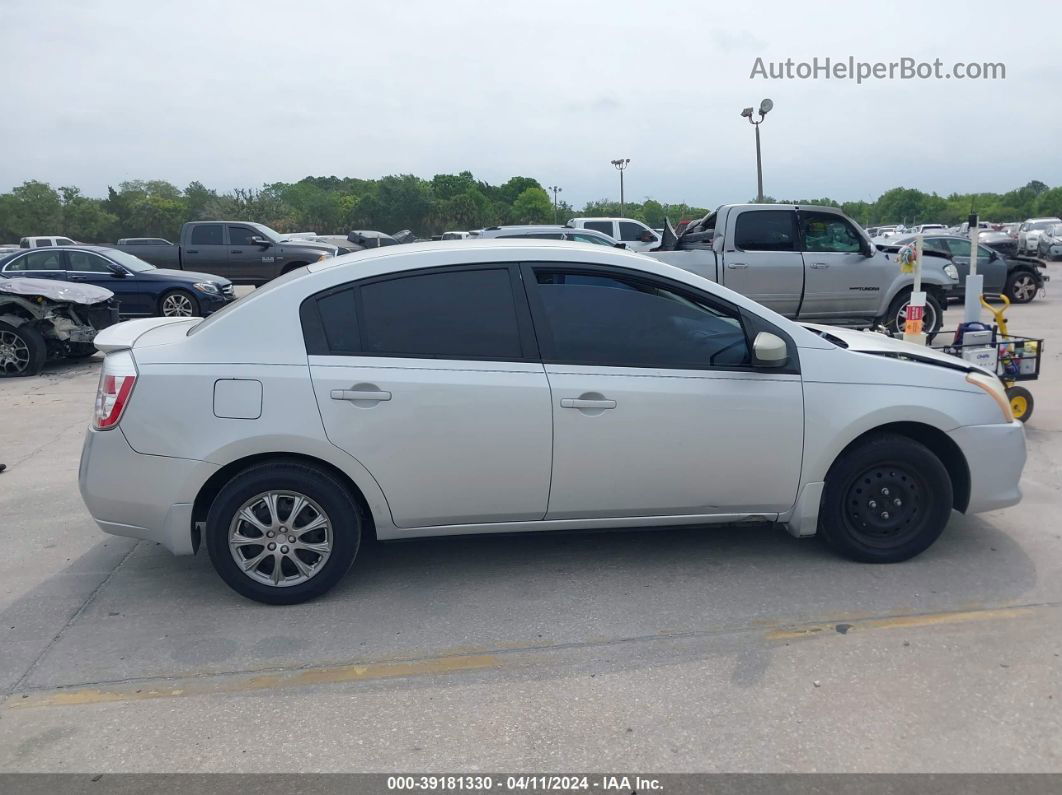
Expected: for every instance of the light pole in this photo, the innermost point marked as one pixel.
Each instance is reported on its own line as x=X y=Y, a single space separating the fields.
x=555 y=190
x=765 y=108
x=620 y=164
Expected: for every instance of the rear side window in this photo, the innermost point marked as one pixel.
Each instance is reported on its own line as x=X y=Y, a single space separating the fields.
x=457 y=314
x=765 y=230
x=38 y=261
x=206 y=235
x=43 y=243
x=599 y=226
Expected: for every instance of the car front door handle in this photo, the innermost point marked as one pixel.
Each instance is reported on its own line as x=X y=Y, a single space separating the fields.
x=583 y=403
x=236 y=251
x=192 y=251
x=737 y=265
x=359 y=394
x=818 y=266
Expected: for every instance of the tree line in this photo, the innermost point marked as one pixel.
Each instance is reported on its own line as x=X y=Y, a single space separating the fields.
x=335 y=205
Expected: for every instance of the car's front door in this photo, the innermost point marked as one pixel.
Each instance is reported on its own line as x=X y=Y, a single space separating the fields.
x=38 y=265
x=129 y=288
x=989 y=264
x=432 y=381
x=762 y=259
x=247 y=260
x=840 y=280
x=657 y=410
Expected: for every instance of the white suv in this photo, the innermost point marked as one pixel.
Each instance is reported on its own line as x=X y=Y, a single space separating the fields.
x=635 y=234
x=468 y=387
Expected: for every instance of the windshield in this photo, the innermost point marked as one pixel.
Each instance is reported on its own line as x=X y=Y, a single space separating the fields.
x=1042 y=224
x=266 y=232
x=135 y=264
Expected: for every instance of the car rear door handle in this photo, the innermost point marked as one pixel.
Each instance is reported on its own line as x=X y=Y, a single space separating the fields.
x=583 y=403
x=236 y=251
x=359 y=394
x=192 y=251
x=818 y=266
x=737 y=265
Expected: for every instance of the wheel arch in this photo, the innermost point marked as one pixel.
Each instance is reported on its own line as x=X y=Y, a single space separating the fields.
x=938 y=442
x=213 y=485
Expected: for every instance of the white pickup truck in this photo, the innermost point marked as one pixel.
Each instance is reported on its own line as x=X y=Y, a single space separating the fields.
x=805 y=262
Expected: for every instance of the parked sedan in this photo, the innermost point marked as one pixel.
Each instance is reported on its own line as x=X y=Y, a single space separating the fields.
x=1049 y=246
x=141 y=289
x=460 y=387
x=1018 y=279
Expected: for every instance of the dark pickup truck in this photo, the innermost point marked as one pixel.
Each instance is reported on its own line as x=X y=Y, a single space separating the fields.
x=240 y=251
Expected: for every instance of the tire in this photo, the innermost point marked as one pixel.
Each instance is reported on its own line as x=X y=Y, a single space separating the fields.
x=854 y=521
x=1021 y=286
x=1021 y=402
x=934 y=316
x=249 y=493
x=23 y=351
x=179 y=303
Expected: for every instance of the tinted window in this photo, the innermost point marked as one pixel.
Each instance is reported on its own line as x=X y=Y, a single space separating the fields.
x=241 y=236
x=589 y=239
x=206 y=235
x=460 y=314
x=38 y=261
x=84 y=262
x=630 y=231
x=337 y=318
x=937 y=246
x=828 y=232
x=43 y=243
x=629 y=322
x=65 y=241
x=765 y=230
x=600 y=226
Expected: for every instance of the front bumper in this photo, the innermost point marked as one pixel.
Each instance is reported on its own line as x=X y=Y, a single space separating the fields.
x=140 y=496
x=209 y=303
x=995 y=455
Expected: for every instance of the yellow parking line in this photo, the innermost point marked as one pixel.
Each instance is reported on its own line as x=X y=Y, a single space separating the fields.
x=244 y=683
x=901 y=622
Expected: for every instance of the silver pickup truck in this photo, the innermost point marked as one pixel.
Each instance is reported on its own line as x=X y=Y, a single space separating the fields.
x=805 y=262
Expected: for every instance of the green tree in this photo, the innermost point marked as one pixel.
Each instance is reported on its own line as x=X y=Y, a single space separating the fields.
x=532 y=207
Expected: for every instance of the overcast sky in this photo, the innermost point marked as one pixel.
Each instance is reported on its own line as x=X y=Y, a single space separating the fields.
x=236 y=94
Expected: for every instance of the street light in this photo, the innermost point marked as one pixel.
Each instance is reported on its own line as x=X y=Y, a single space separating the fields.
x=765 y=108
x=621 y=164
x=555 y=190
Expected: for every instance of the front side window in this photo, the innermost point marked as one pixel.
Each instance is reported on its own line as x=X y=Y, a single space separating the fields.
x=241 y=236
x=38 y=261
x=589 y=239
x=599 y=226
x=83 y=262
x=765 y=230
x=456 y=314
x=825 y=232
x=629 y=322
x=630 y=231
x=206 y=235
x=65 y=241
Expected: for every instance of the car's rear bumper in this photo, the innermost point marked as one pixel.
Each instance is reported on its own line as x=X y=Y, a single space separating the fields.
x=995 y=455
x=140 y=496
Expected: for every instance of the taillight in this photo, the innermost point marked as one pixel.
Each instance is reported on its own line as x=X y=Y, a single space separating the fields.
x=116 y=385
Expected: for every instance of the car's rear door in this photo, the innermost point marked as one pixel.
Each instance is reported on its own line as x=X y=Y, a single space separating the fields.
x=205 y=250
x=431 y=379
x=46 y=264
x=762 y=258
x=656 y=408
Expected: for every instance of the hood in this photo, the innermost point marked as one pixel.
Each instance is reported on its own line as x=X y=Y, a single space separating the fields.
x=309 y=245
x=187 y=276
x=63 y=292
x=874 y=343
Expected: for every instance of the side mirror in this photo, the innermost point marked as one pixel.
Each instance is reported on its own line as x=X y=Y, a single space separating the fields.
x=260 y=241
x=116 y=270
x=769 y=350
x=619 y=245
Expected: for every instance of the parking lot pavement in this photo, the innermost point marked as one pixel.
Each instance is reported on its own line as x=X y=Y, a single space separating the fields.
x=668 y=650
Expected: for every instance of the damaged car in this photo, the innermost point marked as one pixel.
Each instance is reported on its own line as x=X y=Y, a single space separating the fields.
x=42 y=320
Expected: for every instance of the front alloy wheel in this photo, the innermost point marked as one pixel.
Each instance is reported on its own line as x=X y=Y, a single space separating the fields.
x=178 y=304
x=1021 y=287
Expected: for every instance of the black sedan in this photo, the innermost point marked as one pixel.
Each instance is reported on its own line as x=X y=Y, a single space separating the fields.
x=142 y=289
x=1018 y=279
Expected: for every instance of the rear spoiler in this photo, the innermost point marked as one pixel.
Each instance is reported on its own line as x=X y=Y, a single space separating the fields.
x=123 y=336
